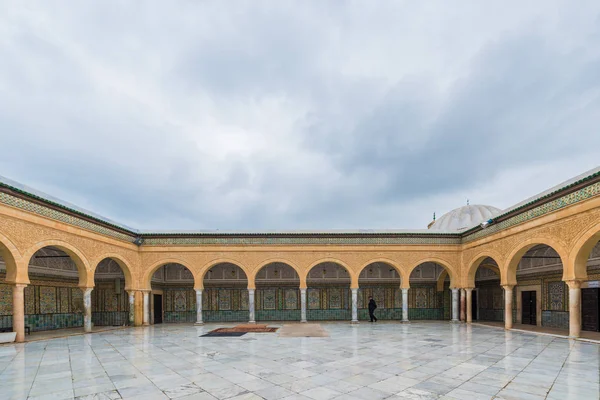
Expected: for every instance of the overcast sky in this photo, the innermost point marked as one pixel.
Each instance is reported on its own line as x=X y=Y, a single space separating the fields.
x=297 y=115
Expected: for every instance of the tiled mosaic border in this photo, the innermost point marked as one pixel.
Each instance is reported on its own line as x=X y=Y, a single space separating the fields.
x=562 y=202
x=48 y=212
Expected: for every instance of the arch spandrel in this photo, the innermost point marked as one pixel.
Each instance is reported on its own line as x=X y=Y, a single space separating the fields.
x=404 y=278
x=125 y=265
x=282 y=261
x=509 y=269
x=199 y=277
x=86 y=276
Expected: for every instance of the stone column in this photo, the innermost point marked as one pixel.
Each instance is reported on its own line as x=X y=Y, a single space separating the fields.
x=251 y=305
x=469 y=310
x=131 y=294
x=303 y=305
x=355 y=306
x=199 y=307
x=462 y=305
x=508 y=306
x=405 y=305
x=574 y=308
x=87 y=309
x=455 y=310
x=19 y=311
x=146 y=310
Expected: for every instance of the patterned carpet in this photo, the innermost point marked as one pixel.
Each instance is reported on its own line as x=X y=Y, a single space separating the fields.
x=247 y=328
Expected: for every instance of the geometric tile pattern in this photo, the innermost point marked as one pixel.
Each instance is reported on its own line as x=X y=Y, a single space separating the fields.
x=368 y=361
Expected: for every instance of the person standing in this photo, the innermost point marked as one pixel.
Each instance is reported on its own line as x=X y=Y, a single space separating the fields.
x=372 y=307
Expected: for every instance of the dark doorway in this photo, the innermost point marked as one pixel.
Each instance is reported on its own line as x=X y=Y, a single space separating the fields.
x=590 y=309
x=474 y=305
x=158 y=306
x=528 y=303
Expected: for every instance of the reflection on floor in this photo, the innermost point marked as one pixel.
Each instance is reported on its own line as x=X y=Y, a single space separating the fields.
x=435 y=360
x=592 y=336
x=58 y=333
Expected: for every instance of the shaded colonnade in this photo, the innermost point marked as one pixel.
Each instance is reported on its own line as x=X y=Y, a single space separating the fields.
x=277 y=296
x=429 y=297
x=328 y=293
x=488 y=295
x=172 y=298
x=225 y=296
x=381 y=281
x=110 y=300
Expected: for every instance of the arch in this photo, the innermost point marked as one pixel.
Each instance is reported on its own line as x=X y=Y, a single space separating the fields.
x=147 y=278
x=441 y=280
x=278 y=260
x=123 y=263
x=581 y=252
x=10 y=255
x=86 y=279
x=353 y=276
x=475 y=263
x=199 y=278
x=403 y=278
x=443 y=263
x=509 y=272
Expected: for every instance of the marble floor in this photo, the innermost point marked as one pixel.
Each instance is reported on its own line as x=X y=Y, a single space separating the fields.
x=422 y=360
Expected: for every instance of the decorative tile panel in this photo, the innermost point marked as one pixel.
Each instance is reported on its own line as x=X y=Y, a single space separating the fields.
x=5 y=300
x=47 y=300
x=556 y=295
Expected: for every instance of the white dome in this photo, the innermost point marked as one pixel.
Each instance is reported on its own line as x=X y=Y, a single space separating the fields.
x=465 y=217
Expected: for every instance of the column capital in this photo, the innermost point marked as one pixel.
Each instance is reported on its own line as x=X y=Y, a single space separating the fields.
x=469 y=289
x=19 y=285
x=198 y=290
x=573 y=284
x=508 y=287
x=85 y=289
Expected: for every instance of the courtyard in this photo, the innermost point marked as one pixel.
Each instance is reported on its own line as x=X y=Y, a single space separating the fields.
x=421 y=360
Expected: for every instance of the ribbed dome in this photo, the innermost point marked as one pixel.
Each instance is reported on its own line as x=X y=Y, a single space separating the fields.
x=465 y=217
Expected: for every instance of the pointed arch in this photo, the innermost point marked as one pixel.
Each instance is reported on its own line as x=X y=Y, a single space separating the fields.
x=86 y=278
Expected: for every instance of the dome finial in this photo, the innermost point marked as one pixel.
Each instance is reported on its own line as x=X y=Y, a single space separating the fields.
x=467 y=201
x=434 y=215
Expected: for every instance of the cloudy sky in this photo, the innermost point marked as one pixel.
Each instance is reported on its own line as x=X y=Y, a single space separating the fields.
x=297 y=114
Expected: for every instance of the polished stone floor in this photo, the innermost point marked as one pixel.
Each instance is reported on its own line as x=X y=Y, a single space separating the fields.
x=436 y=360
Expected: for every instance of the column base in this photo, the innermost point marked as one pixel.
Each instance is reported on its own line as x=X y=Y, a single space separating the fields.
x=146 y=324
x=198 y=323
x=405 y=322
x=455 y=321
x=354 y=322
x=251 y=322
x=303 y=322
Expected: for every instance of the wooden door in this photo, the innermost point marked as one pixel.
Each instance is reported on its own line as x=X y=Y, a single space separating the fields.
x=528 y=307
x=158 y=314
x=474 y=305
x=590 y=309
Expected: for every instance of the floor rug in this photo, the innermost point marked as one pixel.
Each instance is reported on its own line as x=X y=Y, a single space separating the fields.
x=223 y=334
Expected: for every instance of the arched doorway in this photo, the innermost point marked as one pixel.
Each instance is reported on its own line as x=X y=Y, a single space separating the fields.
x=6 y=289
x=328 y=293
x=277 y=293
x=590 y=292
x=540 y=297
x=427 y=300
x=172 y=299
x=225 y=294
x=488 y=296
x=110 y=301
x=381 y=281
x=53 y=299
